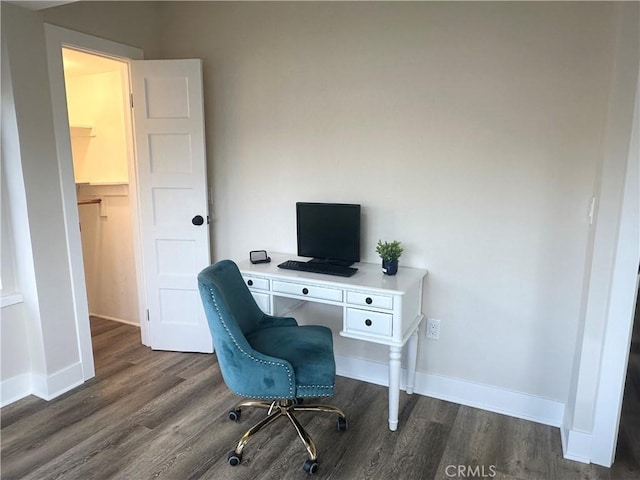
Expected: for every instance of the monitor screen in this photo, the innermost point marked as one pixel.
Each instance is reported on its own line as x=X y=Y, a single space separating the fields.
x=329 y=231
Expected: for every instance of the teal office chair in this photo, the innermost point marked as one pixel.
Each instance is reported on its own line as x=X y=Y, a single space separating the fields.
x=270 y=359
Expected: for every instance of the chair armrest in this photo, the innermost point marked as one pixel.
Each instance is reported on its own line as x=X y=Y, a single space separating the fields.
x=250 y=373
x=271 y=321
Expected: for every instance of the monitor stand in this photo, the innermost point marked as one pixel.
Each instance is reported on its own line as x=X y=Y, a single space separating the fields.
x=340 y=263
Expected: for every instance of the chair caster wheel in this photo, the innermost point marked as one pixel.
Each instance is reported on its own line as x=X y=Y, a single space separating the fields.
x=234 y=458
x=342 y=424
x=310 y=466
x=234 y=415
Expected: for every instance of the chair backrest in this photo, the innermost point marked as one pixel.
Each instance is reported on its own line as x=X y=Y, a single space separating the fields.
x=232 y=313
x=222 y=289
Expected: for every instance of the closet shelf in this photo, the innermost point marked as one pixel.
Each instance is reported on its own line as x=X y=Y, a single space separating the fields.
x=114 y=182
x=82 y=131
x=89 y=201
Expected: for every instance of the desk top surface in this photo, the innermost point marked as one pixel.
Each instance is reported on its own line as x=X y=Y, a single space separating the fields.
x=369 y=275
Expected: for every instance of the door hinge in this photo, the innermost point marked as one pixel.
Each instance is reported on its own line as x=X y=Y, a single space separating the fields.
x=148 y=315
x=131 y=99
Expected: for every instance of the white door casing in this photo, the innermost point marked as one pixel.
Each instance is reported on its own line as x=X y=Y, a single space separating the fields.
x=56 y=39
x=168 y=117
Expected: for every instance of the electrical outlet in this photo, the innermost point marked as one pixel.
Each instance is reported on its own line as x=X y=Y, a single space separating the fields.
x=433 y=329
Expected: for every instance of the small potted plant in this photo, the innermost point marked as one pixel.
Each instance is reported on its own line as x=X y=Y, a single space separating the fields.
x=390 y=253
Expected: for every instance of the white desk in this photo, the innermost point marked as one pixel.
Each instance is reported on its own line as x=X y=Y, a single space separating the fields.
x=375 y=307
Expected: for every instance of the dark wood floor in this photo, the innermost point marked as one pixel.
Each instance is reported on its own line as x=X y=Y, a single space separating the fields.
x=628 y=450
x=163 y=415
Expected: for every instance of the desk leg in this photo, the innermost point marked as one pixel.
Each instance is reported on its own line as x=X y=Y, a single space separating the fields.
x=395 y=354
x=412 y=359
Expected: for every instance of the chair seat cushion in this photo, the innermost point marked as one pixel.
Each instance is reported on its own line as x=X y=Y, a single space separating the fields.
x=308 y=348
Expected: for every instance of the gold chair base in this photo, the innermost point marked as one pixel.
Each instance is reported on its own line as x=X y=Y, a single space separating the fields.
x=284 y=408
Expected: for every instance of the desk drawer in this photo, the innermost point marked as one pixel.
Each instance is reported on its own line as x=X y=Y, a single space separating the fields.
x=262 y=299
x=256 y=282
x=305 y=290
x=366 y=321
x=364 y=299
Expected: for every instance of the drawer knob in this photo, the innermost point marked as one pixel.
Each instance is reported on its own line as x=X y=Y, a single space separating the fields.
x=249 y=282
x=368 y=322
x=305 y=291
x=369 y=300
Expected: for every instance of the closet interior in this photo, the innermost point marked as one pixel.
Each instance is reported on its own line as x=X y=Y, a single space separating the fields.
x=101 y=143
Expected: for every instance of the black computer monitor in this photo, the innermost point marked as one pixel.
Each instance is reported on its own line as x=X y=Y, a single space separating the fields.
x=329 y=232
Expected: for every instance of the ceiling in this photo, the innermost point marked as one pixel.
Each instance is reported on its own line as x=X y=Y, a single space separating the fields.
x=80 y=63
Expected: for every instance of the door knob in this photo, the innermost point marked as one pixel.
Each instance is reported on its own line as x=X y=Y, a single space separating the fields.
x=197 y=220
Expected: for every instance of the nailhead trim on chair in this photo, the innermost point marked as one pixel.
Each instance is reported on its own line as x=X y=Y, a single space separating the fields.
x=318 y=386
x=291 y=392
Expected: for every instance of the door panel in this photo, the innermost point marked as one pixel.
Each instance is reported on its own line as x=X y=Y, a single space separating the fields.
x=169 y=132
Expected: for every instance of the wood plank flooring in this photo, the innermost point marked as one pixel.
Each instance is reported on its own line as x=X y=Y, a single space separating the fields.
x=628 y=450
x=163 y=415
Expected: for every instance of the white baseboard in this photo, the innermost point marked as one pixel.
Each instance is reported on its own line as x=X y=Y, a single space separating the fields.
x=54 y=385
x=11 y=299
x=119 y=320
x=576 y=445
x=494 y=399
x=485 y=397
x=15 y=388
x=365 y=370
x=46 y=387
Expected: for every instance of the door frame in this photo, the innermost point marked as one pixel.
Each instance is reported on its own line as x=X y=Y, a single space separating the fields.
x=621 y=309
x=56 y=38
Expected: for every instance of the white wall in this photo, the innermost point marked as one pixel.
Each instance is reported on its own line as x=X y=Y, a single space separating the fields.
x=42 y=262
x=15 y=360
x=21 y=341
x=7 y=272
x=610 y=189
x=30 y=91
x=94 y=100
x=107 y=246
x=470 y=132
x=622 y=304
x=598 y=325
x=102 y=160
x=42 y=268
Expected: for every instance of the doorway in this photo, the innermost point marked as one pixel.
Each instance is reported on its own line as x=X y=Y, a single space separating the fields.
x=97 y=93
x=58 y=38
x=167 y=184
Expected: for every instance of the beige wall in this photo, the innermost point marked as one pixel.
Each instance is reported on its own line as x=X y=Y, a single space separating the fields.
x=95 y=101
x=100 y=157
x=107 y=248
x=132 y=23
x=470 y=132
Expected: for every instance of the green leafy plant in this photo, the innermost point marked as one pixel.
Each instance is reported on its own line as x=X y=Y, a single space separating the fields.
x=389 y=251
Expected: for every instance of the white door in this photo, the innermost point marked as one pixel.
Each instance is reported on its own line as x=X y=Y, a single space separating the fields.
x=168 y=117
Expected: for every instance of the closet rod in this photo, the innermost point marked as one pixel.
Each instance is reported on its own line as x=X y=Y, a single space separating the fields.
x=87 y=202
